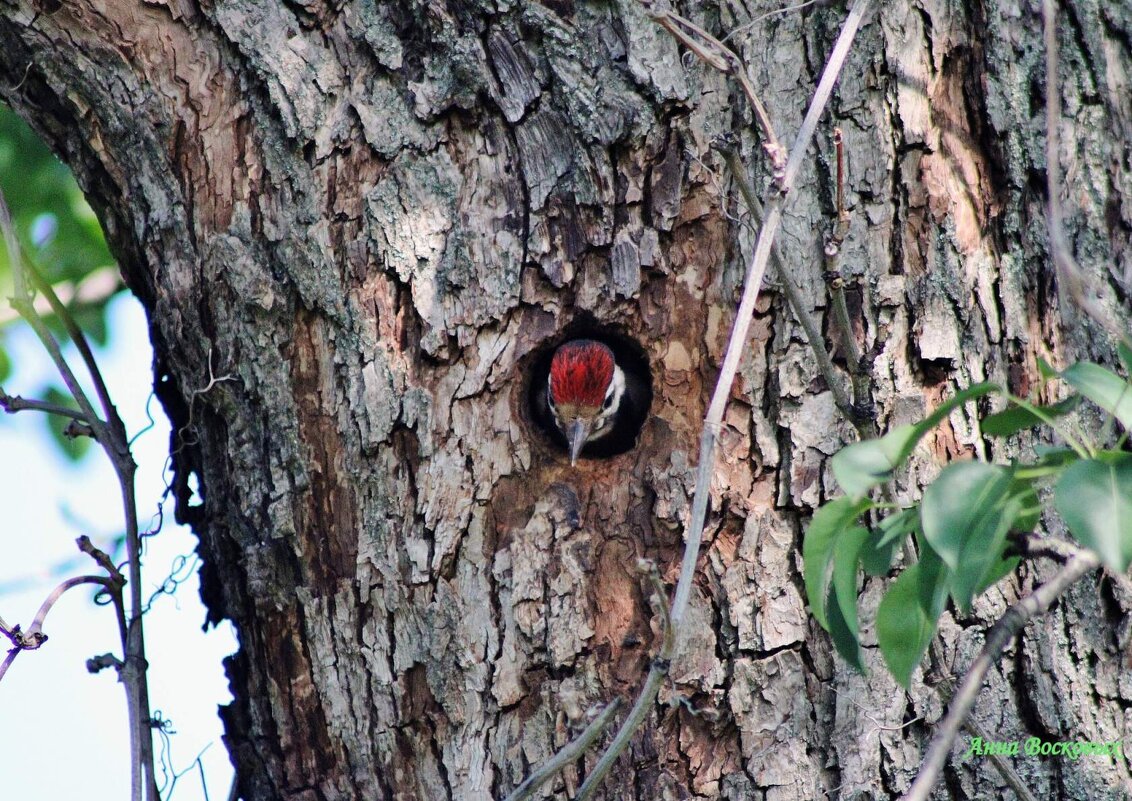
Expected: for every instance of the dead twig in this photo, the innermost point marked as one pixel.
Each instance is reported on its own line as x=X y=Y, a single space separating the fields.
x=836 y=283
x=76 y=334
x=574 y=749
x=713 y=418
x=14 y=403
x=794 y=299
x=755 y=272
x=34 y=637
x=111 y=435
x=717 y=55
x=1001 y=765
x=1002 y=632
x=784 y=10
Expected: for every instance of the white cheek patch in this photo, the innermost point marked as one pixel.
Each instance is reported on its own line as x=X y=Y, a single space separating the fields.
x=616 y=391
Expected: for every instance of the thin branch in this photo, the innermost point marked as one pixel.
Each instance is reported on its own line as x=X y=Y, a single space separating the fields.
x=94 y=289
x=8 y=660
x=794 y=295
x=784 y=10
x=1001 y=633
x=133 y=671
x=573 y=750
x=842 y=214
x=1003 y=767
x=57 y=593
x=946 y=689
x=14 y=403
x=101 y=557
x=577 y=747
x=89 y=416
x=825 y=88
x=713 y=418
x=836 y=283
x=119 y=581
x=718 y=55
x=111 y=435
x=1028 y=545
x=80 y=340
x=657 y=671
x=21 y=302
x=1080 y=445
x=200 y=771
x=658 y=599
x=1071 y=279
x=34 y=637
x=636 y=717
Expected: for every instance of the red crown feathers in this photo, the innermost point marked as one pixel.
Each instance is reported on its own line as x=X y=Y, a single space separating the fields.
x=580 y=373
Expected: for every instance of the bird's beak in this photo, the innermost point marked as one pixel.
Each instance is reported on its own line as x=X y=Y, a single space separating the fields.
x=579 y=432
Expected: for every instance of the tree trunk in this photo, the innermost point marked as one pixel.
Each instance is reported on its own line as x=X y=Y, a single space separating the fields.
x=356 y=226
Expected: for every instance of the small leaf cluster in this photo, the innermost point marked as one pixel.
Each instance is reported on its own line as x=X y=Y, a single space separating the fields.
x=59 y=231
x=962 y=527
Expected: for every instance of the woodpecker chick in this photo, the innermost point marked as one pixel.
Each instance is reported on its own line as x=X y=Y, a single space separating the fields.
x=584 y=392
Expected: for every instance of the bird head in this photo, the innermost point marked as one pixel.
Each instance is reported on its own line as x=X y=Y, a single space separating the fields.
x=584 y=391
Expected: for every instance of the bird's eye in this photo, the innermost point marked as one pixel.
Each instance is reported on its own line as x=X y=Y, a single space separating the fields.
x=608 y=402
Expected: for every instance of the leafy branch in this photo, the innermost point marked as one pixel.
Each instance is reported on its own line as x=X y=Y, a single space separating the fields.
x=975 y=517
x=962 y=525
x=110 y=433
x=1001 y=633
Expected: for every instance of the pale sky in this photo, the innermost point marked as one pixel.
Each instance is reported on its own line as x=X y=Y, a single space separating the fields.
x=62 y=730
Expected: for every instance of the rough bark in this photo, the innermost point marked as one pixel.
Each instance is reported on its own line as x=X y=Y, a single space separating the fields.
x=372 y=216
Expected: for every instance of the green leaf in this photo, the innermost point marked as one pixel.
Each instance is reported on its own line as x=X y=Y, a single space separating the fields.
x=958 y=499
x=843 y=597
x=5 y=363
x=997 y=573
x=966 y=514
x=51 y=219
x=935 y=581
x=983 y=554
x=879 y=551
x=861 y=466
x=844 y=636
x=1046 y=369
x=1104 y=388
x=897 y=526
x=820 y=550
x=38 y=185
x=1050 y=460
x=1095 y=499
x=945 y=408
x=92 y=322
x=904 y=627
x=1029 y=507
x=876 y=558
x=1016 y=418
x=74 y=448
x=1125 y=352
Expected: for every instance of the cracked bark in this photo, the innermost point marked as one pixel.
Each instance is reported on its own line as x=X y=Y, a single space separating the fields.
x=374 y=214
